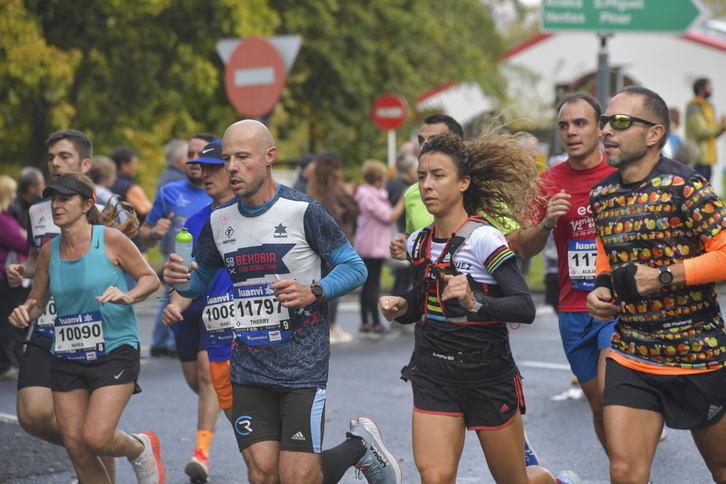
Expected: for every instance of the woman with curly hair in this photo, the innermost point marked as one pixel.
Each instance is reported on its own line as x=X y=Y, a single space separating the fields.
x=466 y=288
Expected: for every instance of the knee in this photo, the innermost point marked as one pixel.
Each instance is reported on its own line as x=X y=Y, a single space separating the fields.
x=37 y=421
x=97 y=442
x=262 y=475
x=436 y=475
x=622 y=472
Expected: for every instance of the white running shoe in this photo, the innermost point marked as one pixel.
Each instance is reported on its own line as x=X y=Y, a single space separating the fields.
x=377 y=465
x=339 y=336
x=148 y=466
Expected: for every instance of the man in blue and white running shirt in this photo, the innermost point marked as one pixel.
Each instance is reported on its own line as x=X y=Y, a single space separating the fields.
x=274 y=242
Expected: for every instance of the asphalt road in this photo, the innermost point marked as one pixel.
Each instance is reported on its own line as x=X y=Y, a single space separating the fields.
x=364 y=380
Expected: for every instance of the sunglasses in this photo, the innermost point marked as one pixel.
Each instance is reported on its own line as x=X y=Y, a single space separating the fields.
x=622 y=121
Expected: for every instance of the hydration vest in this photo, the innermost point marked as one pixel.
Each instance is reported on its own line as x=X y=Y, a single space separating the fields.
x=428 y=277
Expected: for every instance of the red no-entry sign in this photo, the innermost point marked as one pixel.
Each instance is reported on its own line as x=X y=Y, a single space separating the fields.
x=390 y=112
x=254 y=77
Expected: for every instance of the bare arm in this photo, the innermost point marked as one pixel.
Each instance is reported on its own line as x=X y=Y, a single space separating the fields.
x=173 y=311
x=531 y=241
x=39 y=295
x=125 y=255
x=17 y=272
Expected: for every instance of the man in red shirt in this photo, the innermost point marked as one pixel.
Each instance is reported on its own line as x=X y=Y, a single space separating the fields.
x=565 y=211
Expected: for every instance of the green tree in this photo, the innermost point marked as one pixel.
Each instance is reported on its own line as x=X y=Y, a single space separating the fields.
x=141 y=72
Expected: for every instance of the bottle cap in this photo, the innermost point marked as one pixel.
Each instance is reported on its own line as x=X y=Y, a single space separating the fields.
x=184 y=237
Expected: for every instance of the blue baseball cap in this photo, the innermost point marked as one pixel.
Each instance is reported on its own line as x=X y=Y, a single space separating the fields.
x=211 y=154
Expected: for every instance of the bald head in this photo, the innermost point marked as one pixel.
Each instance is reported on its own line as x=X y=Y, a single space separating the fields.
x=251 y=130
x=248 y=151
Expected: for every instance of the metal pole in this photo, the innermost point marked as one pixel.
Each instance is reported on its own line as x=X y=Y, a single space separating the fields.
x=603 y=73
x=391 y=148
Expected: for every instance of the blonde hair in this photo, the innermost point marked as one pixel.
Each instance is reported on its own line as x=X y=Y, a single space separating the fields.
x=7 y=187
x=374 y=170
x=102 y=171
x=114 y=207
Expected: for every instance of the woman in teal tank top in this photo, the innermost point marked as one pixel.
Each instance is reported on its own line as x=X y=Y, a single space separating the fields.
x=96 y=343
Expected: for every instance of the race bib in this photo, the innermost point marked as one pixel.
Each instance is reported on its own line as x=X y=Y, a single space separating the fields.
x=219 y=318
x=46 y=321
x=260 y=318
x=79 y=337
x=581 y=255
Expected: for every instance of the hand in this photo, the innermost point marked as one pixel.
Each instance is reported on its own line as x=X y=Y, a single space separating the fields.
x=600 y=304
x=172 y=313
x=15 y=273
x=20 y=317
x=174 y=272
x=398 y=248
x=557 y=206
x=458 y=287
x=114 y=295
x=392 y=307
x=292 y=294
x=162 y=226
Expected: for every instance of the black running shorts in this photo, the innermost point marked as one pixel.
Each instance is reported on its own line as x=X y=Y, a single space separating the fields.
x=487 y=406
x=122 y=365
x=688 y=402
x=35 y=368
x=294 y=417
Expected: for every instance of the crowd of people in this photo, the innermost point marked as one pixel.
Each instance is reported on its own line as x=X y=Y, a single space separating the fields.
x=633 y=236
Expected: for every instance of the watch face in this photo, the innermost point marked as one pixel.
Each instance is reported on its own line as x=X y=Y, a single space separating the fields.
x=478 y=296
x=317 y=290
x=665 y=277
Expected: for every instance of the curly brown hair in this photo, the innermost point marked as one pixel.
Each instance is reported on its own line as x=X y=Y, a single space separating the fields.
x=129 y=227
x=504 y=179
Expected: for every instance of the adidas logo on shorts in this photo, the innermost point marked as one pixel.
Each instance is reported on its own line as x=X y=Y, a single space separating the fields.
x=298 y=436
x=713 y=410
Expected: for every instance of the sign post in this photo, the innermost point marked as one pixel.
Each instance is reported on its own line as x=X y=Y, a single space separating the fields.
x=389 y=113
x=606 y=17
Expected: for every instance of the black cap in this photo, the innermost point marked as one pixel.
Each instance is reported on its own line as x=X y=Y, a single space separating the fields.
x=68 y=185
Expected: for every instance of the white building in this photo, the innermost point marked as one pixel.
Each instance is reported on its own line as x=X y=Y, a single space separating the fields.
x=668 y=64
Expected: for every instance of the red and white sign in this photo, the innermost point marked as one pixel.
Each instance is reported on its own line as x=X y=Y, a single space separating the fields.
x=254 y=77
x=390 y=112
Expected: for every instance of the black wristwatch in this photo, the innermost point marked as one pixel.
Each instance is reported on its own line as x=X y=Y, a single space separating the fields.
x=665 y=276
x=478 y=301
x=317 y=290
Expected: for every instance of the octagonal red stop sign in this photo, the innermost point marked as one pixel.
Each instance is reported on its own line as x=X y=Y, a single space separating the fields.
x=254 y=77
x=390 y=111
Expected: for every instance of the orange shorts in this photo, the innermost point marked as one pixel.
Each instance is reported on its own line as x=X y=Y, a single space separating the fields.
x=220 y=373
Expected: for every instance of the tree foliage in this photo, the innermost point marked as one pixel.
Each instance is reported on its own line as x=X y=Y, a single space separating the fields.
x=141 y=72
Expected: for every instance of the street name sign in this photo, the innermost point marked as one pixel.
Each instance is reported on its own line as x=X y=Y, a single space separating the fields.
x=667 y=16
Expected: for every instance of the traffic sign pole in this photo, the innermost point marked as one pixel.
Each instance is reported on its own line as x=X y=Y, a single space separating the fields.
x=389 y=113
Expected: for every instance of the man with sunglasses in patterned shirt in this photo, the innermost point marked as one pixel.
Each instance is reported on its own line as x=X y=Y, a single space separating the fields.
x=661 y=249
x=565 y=211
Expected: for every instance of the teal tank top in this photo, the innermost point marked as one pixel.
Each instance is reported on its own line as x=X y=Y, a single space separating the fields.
x=74 y=285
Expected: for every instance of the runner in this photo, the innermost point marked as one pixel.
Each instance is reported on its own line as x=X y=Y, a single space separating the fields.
x=274 y=242
x=466 y=286
x=96 y=340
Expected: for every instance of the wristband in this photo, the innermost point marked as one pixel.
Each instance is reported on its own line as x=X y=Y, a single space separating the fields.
x=546 y=228
x=153 y=233
x=604 y=280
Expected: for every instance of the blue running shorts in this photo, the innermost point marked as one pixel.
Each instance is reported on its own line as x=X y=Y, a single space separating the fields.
x=582 y=339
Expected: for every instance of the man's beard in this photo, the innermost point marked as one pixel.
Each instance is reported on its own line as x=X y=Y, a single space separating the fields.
x=625 y=158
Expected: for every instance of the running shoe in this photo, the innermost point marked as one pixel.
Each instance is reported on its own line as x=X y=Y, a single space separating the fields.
x=377 y=465
x=198 y=467
x=338 y=336
x=567 y=477
x=148 y=466
x=530 y=456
